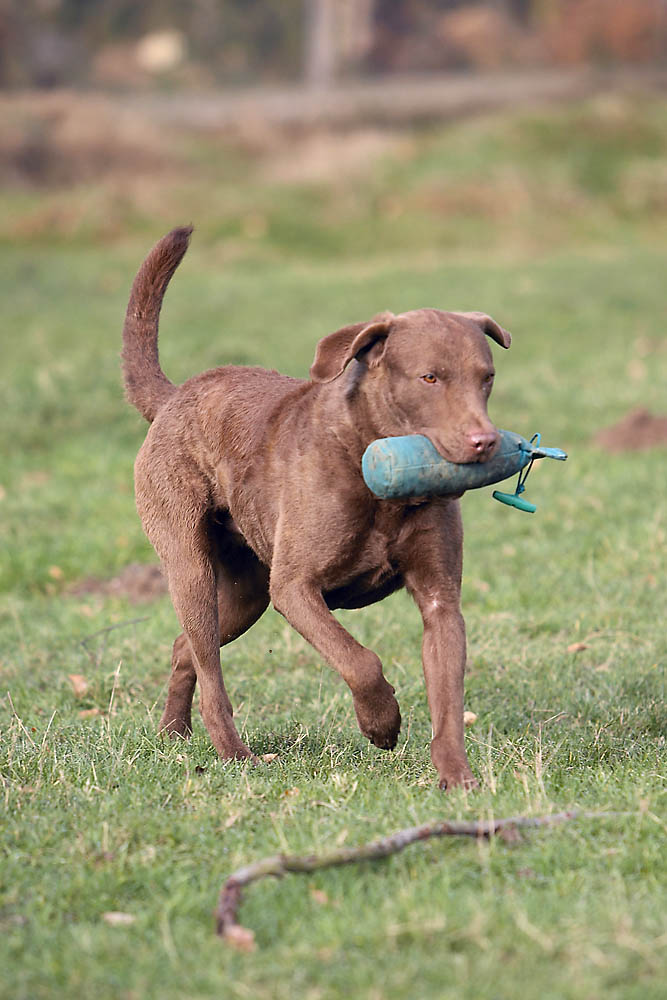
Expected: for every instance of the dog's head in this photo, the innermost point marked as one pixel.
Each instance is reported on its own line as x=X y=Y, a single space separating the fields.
x=422 y=372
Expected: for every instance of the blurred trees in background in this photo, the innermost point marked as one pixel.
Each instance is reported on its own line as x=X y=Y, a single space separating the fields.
x=206 y=43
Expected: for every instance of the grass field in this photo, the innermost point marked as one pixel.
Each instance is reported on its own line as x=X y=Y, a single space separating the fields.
x=555 y=224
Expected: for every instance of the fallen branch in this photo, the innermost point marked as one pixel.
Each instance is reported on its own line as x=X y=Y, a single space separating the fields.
x=111 y=628
x=105 y=631
x=278 y=865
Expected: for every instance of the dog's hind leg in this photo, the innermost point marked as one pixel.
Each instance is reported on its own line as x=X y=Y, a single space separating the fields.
x=187 y=563
x=243 y=596
x=177 y=716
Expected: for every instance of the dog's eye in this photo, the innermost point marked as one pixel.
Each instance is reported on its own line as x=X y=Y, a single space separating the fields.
x=488 y=379
x=429 y=377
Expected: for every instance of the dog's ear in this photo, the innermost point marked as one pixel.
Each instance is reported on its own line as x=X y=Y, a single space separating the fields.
x=364 y=341
x=490 y=328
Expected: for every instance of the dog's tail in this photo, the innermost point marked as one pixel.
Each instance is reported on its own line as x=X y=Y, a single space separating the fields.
x=146 y=385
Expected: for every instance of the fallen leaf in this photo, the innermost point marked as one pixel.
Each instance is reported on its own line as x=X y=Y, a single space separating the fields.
x=117 y=919
x=38 y=477
x=241 y=938
x=254 y=225
x=104 y=856
x=88 y=713
x=268 y=758
x=469 y=718
x=636 y=369
x=577 y=647
x=79 y=684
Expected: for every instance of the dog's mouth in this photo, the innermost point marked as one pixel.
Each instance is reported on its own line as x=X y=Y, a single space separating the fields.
x=460 y=454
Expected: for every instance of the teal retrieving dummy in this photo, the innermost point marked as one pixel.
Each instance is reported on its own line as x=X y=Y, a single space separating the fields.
x=401 y=468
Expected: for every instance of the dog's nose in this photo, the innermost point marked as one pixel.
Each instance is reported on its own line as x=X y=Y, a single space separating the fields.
x=483 y=443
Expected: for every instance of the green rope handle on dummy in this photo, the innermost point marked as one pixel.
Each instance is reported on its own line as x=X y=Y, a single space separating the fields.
x=515 y=499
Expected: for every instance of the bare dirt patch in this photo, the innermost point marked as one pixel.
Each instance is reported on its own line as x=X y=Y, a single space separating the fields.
x=138 y=583
x=637 y=430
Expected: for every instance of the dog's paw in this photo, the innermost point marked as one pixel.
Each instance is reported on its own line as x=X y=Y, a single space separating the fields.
x=379 y=717
x=238 y=751
x=458 y=778
x=228 y=744
x=175 y=728
x=387 y=739
x=247 y=755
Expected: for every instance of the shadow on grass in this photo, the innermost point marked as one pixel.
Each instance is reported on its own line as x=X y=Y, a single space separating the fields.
x=295 y=740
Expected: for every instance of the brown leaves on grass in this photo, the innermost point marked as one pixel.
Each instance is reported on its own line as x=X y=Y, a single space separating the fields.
x=80 y=688
x=79 y=685
x=319 y=896
x=115 y=918
x=240 y=938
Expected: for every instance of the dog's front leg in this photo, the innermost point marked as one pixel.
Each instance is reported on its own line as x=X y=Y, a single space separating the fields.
x=433 y=578
x=444 y=658
x=303 y=605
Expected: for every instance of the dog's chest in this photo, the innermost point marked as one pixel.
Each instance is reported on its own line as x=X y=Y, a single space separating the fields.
x=372 y=552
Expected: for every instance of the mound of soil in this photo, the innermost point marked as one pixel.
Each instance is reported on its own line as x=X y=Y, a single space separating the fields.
x=138 y=583
x=638 y=429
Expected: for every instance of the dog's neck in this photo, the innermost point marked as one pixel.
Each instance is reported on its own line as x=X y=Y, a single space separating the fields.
x=342 y=409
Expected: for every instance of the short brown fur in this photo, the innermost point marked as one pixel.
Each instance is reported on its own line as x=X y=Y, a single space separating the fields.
x=249 y=486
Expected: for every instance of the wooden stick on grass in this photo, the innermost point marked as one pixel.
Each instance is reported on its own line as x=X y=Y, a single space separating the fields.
x=278 y=865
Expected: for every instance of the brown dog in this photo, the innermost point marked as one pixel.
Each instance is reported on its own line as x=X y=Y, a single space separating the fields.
x=249 y=486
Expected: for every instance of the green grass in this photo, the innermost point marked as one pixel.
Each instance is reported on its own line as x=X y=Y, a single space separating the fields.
x=100 y=815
